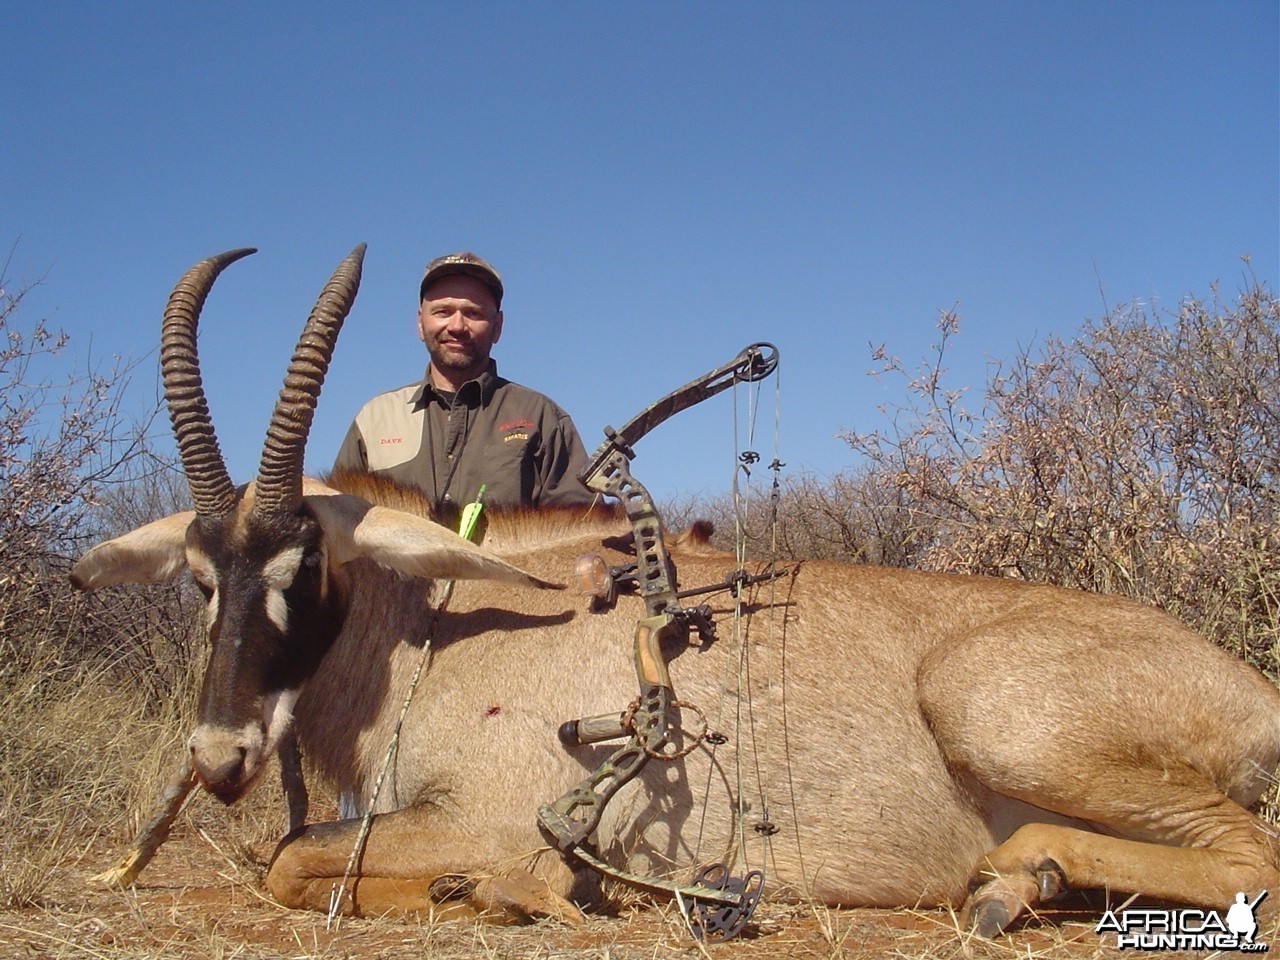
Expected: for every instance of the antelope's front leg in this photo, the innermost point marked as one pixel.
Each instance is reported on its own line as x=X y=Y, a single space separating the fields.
x=411 y=869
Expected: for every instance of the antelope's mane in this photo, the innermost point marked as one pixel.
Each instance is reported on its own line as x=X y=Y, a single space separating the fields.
x=507 y=528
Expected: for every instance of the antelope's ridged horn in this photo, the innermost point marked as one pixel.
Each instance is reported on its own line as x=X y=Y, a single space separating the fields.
x=211 y=488
x=279 y=486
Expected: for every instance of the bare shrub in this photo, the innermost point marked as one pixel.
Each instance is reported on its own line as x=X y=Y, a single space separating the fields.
x=90 y=687
x=858 y=515
x=73 y=470
x=59 y=443
x=1140 y=457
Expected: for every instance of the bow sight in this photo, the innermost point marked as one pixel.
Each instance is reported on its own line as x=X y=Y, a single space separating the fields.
x=719 y=904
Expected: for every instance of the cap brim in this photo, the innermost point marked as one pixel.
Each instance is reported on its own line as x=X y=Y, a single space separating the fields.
x=491 y=283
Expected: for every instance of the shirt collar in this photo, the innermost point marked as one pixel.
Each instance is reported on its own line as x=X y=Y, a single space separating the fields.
x=475 y=392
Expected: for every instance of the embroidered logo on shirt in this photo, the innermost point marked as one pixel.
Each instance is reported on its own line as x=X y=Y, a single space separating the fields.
x=386 y=440
x=515 y=430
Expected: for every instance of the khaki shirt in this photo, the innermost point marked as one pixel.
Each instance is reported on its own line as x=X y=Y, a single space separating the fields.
x=516 y=442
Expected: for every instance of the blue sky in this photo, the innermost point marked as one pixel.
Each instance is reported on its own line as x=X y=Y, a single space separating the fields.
x=660 y=184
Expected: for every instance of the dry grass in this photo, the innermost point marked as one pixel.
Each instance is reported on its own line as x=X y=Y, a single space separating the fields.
x=192 y=906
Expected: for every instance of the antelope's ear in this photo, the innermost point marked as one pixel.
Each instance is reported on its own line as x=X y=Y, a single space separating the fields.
x=408 y=544
x=151 y=554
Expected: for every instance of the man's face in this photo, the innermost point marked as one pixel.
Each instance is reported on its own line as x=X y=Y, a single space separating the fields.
x=459 y=321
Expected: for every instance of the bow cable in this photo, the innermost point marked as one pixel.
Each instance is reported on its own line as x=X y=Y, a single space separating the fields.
x=737 y=672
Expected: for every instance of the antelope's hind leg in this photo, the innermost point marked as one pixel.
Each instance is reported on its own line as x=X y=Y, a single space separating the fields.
x=1153 y=765
x=1219 y=849
x=411 y=869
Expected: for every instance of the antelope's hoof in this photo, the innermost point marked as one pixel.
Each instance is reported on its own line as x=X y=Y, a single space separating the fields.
x=988 y=918
x=523 y=897
x=1050 y=878
x=992 y=907
x=120 y=876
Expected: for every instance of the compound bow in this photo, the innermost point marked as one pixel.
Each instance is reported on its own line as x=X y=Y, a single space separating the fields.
x=720 y=903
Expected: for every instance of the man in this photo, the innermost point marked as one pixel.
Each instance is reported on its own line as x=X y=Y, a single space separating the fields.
x=463 y=425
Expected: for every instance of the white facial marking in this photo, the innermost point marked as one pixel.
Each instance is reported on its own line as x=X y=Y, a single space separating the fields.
x=279 y=572
x=281 y=569
x=211 y=611
x=251 y=737
x=277 y=715
x=277 y=609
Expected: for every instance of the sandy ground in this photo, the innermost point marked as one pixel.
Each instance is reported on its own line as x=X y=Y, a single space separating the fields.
x=201 y=899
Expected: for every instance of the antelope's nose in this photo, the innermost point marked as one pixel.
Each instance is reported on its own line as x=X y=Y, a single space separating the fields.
x=220 y=758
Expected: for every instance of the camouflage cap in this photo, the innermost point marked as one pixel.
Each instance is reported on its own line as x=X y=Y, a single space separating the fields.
x=464 y=263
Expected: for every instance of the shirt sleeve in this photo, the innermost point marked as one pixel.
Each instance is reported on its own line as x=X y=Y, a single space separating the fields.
x=563 y=458
x=351 y=455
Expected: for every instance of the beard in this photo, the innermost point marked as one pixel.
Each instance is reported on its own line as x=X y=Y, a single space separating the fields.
x=457 y=354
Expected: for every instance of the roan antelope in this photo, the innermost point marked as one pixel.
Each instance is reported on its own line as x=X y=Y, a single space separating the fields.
x=947 y=739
